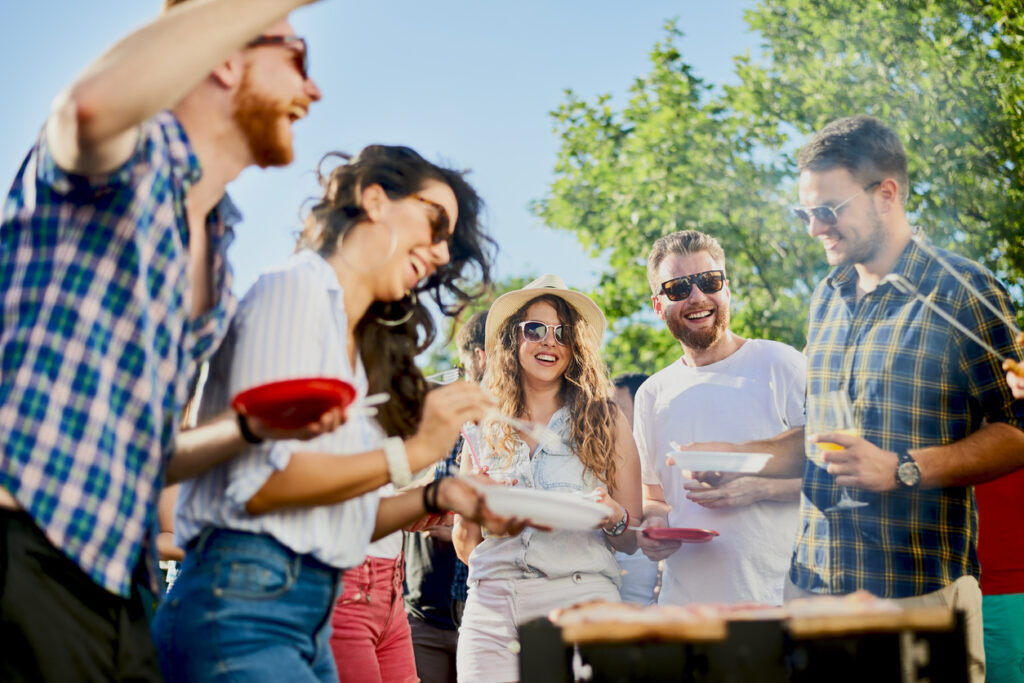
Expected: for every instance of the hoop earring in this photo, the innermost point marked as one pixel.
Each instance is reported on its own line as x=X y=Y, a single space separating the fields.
x=405 y=318
x=360 y=268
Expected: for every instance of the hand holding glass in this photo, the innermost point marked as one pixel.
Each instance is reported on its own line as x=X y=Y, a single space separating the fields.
x=831 y=412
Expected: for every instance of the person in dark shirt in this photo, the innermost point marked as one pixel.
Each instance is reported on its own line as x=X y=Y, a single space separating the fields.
x=435 y=579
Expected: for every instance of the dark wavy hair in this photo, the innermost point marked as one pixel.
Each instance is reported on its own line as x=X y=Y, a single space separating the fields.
x=388 y=351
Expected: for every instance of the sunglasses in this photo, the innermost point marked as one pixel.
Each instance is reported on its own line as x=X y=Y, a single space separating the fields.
x=829 y=215
x=678 y=288
x=301 y=49
x=439 y=222
x=536 y=332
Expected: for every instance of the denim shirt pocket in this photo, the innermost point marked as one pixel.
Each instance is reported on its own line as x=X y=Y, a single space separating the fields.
x=561 y=471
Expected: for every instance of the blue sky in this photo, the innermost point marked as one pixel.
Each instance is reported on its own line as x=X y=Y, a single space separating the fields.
x=468 y=83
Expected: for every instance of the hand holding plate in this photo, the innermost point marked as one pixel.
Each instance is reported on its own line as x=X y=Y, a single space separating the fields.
x=656 y=550
x=326 y=423
x=465 y=495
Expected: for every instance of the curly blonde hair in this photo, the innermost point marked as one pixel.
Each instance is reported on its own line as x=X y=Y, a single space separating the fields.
x=586 y=391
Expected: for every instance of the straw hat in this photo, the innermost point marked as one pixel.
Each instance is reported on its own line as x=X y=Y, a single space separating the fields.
x=506 y=305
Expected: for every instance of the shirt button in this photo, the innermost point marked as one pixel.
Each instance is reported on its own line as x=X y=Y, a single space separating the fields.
x=577 y=577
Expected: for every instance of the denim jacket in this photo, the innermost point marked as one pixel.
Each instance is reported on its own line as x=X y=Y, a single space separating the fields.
x=534 y=553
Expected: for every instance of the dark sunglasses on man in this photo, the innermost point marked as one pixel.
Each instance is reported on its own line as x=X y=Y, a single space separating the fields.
x=829 y=215
x=296 y=44
x=678 y=288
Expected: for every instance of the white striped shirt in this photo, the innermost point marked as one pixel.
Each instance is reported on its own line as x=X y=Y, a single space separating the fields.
x=291 y=324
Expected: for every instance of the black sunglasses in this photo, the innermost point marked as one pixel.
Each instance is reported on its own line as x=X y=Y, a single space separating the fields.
x=829 y=215
x=536 y=332
x=439 y=222
x=301 y=51
x=678 y=288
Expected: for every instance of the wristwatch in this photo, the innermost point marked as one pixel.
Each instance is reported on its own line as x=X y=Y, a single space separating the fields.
x=620 y=526
x=908 y=474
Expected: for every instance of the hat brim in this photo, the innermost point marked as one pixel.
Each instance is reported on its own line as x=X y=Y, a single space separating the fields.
x=506 y=305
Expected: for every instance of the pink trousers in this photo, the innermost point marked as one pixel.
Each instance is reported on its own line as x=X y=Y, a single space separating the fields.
x=371 y=640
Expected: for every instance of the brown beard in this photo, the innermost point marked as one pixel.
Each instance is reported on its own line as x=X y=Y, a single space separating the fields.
x=260 y=118
x=698 y=339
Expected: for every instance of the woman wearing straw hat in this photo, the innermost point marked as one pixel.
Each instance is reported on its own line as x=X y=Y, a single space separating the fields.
x=543 y=365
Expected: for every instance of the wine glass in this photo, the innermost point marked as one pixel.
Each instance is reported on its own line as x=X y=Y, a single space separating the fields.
x=831 y=412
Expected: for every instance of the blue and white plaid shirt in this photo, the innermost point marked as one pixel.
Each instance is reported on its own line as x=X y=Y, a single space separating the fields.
x=97 y=348
x=913 y=382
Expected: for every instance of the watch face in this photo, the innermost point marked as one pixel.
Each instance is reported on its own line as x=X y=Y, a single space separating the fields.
x=909 y=473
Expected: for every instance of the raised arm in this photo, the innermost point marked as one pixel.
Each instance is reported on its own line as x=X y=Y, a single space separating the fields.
x=92 y=125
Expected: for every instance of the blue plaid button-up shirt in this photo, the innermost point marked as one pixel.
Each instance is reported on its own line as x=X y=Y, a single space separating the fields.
x=97 y=347
x=913 y=382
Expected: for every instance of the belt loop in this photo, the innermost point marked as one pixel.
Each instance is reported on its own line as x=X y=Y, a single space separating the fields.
x=202 y=540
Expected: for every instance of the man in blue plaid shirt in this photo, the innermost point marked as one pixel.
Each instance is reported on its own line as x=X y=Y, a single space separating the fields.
x=115 y=289
x=934 y=414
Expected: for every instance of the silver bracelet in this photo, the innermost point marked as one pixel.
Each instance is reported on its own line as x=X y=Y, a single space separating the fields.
x=398 y=461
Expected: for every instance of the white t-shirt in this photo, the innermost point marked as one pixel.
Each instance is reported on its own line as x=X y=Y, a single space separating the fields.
x=755 y=393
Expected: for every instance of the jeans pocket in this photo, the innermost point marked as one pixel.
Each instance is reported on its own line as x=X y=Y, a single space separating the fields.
x=254 y=577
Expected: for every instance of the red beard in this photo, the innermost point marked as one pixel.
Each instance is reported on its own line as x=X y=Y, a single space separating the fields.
x=699 y=339
x=265 y=124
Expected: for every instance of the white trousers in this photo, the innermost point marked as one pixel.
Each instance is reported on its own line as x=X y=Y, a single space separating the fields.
x=489 y=635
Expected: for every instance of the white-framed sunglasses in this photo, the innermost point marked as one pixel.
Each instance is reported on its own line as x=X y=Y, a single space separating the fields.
x=536 y=332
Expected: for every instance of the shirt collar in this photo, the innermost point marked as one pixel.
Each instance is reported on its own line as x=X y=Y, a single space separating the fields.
x=319 y=267
x=911 y=264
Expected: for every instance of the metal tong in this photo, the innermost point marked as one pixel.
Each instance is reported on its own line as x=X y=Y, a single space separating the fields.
x=904 y=285
x=922 y=242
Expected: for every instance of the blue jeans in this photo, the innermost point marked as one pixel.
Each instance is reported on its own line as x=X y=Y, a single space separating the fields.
x=246 y=608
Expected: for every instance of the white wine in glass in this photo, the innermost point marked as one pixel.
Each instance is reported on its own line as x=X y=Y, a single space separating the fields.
x=831 y=412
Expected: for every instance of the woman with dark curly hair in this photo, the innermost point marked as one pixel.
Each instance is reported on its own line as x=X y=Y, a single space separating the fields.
x=268 y=533
x=544 y=365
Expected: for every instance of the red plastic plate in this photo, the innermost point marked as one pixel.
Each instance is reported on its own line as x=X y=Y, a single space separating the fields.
x=292 y=403
x=678 y=534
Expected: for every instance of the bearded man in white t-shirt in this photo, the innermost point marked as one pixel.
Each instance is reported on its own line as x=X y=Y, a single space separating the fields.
x=723 y=388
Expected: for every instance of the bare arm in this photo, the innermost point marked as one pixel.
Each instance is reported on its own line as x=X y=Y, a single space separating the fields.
x=744 y=491
x=165 y=547
x=323 y=479
x=626 y=491
x=989 y=453
x=200 y=448
x=455 y=494
x=466 y=535
x=787 y=451
x=92 y=126
x=656 y=511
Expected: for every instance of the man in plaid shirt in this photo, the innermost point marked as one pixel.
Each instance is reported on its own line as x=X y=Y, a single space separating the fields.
x=115 y=288
x=933 y=411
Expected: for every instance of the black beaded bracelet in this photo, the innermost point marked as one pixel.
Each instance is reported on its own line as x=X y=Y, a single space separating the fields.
x=247 y=434
x=430 y=497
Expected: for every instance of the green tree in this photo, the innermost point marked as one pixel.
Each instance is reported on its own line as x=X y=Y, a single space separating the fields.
x=682 y=154
x=676 y=157
x=947 y=76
